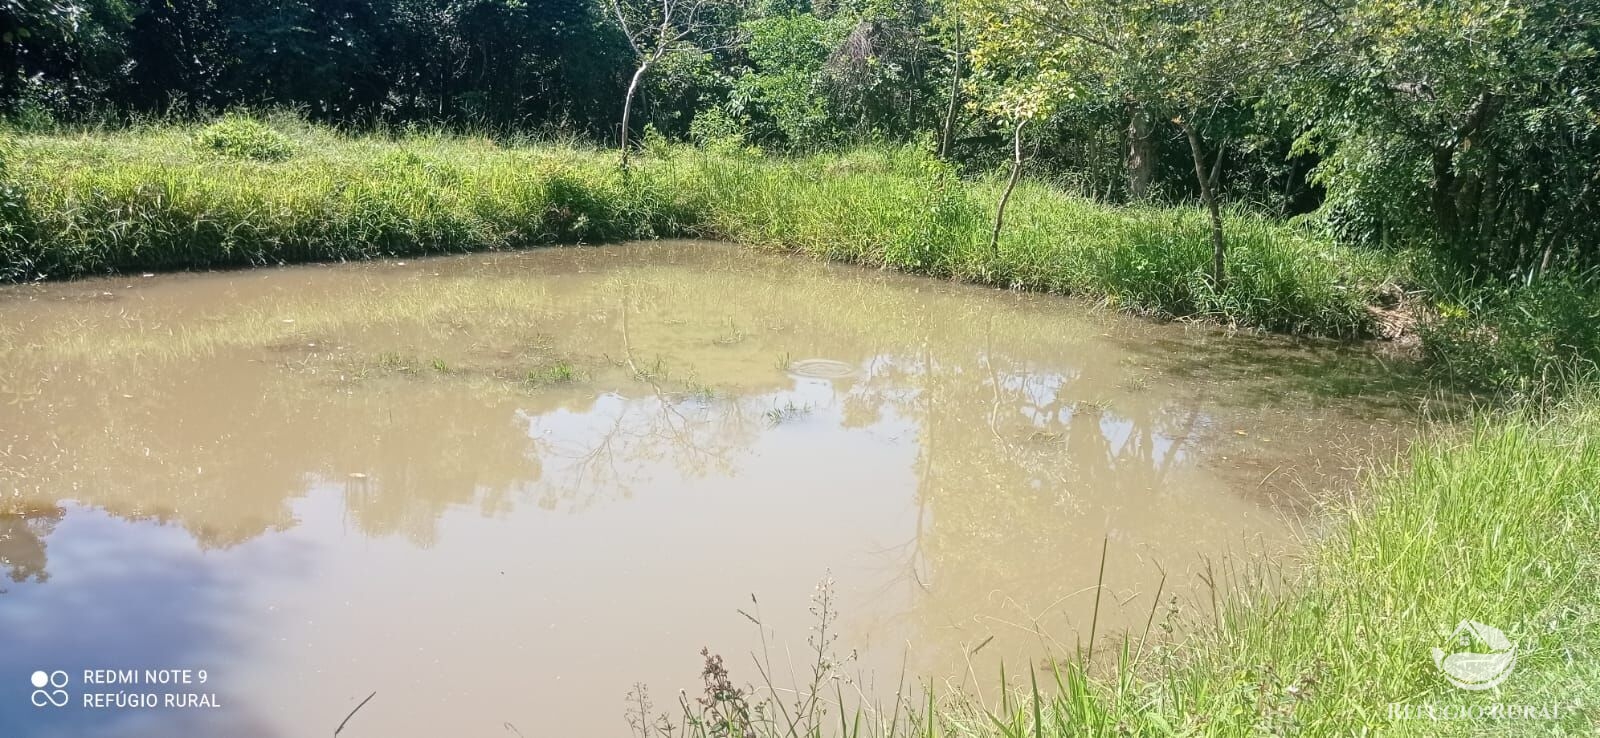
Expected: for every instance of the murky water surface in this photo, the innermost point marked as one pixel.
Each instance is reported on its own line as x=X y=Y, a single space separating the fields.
x=500 y=490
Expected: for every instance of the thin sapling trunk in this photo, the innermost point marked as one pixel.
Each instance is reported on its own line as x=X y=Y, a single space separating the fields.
x=1208 y=194
x=1016 y=173
x=1141 y=153
x=947 y=139
x=668 y=28
x=627 y=107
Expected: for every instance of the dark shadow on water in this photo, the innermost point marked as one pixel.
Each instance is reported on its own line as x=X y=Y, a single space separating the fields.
x=1280 y=371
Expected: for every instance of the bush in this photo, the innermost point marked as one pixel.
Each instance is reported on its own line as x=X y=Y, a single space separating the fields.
x=714 y=129
x=1518 y=339
x=245 y=138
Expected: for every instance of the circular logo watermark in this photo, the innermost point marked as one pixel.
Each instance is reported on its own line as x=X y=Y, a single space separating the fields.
x=1484 y=659
x=48 y=689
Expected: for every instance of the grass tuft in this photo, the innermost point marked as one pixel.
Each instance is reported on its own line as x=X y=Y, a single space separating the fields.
x=244 y=138
x=786 y=413
x=558 y=373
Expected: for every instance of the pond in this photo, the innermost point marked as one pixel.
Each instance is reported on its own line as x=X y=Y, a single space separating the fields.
x=499 y=490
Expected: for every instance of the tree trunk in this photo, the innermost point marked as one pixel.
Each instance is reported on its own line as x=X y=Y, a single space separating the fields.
x=1141 y=153
x=1446 y=186
x=1549 y=251
x=1016 y=173
x=1486 y=210
x=627 y=109
x=1208 y=194
x=1559 y=234
x=947 y=139
x=1443 y=194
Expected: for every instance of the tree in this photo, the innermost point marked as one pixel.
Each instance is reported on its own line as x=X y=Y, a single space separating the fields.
x=1011 y=185
x=878 y=77
x=834 y=75
x=1472 y=126
x=785 y=86
x=61 y=53
x=948 y=132
x=323 y=55
x=653 y=30
x=177 y=53
x=1195 y=63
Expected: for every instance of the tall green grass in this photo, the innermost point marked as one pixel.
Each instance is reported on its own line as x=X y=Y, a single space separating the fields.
x=1498 y=524
x=242 y=193
x=166 y=199
x=897 y=209
x=1520 y=340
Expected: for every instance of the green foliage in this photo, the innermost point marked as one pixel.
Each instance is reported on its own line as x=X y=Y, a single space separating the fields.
x=1522 y=340
x=1472 y=127
x=151 y=200
x=897 y=208
x=244 y=138
x=831 y=75
x=785 y=90
x=59 y=55
x=715 y=129
x=485 y=64
x=681 y=86
x=16 y=220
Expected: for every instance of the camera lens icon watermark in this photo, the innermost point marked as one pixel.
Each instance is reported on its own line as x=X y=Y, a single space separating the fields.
x=48 y=689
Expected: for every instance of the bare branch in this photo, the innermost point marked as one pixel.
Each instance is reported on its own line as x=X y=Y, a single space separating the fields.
x=622 y=22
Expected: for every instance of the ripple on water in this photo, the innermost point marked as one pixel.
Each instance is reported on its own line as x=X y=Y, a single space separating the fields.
x=821 y=368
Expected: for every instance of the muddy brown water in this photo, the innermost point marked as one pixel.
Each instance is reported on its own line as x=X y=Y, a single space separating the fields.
x=500 y=490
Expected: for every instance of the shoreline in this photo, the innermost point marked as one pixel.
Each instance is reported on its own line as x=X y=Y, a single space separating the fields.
x=1496 y=523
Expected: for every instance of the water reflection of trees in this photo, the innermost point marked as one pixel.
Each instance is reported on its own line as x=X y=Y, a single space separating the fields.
x=620 y=443
x=22 y=542
x=1023 y=472
x=1040 y=436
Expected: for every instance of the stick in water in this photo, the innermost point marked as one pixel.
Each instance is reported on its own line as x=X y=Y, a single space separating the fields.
x=1099 y=586
x=353 y=713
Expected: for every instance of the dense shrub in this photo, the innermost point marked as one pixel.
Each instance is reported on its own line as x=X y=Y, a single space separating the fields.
x=244 y=138
x=1522 y=339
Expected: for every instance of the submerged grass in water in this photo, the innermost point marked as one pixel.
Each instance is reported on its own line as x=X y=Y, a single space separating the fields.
x=557 y=373
x=785 y=413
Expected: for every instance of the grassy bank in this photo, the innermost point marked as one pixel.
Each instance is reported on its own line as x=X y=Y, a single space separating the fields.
x=1496 y=524
x=242 y=193
x=236 y=194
